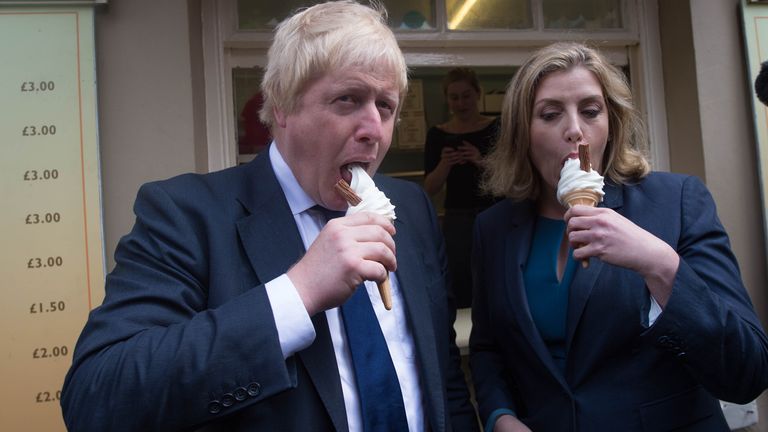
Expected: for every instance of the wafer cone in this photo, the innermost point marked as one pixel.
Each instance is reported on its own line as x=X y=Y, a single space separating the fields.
x=585 y=197
x=353 y=199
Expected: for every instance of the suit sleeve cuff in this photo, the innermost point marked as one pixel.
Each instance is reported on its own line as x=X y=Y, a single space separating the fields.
x=294 y=327
x=495 y=416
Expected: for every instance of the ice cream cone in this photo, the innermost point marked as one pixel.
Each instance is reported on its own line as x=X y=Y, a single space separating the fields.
x=385 y=292
x=585 y=197
x=343 y=188
x=582 y=197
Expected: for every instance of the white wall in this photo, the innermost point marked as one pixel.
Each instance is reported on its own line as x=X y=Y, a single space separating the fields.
x=146 y=117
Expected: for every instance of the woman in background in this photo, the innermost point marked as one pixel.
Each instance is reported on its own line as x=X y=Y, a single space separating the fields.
x=452 y=156
x=657 y=328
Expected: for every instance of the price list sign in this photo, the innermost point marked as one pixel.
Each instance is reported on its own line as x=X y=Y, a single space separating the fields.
x=51 y=247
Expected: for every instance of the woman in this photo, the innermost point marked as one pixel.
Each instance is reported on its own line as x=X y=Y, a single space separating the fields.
x=452 y=155
x=657 y=328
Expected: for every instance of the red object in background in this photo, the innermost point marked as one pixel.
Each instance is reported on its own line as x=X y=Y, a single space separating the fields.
x=255 y=135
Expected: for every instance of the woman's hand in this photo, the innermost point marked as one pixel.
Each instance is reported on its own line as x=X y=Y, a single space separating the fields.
x=450 y=156
x=469 y=153
x=509 y=423
x=603 y=233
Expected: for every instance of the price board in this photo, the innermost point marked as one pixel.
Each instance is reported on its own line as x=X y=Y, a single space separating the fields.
x=51 y=246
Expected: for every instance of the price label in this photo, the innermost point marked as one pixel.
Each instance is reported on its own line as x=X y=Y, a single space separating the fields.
x=39 y=86
x=48 y=396
x=42 y=218
x=47 y=262
x=51 y=253
x=43 y=130
x=52 y=352
x=48 y=307
x=44 y=174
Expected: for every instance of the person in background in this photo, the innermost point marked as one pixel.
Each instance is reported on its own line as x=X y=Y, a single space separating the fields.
x=657 y=327
x=452 y=155
x=239 y=303
x=255 y=135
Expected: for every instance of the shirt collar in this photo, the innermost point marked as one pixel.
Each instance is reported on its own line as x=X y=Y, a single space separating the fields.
x=298 y=200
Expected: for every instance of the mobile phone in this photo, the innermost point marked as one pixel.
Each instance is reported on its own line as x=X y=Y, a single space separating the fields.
x=453 y=141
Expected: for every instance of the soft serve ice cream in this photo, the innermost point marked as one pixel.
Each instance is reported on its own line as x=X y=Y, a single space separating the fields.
x=574 y=179
x=363 y=195
x=373 y=200
x=580 y=186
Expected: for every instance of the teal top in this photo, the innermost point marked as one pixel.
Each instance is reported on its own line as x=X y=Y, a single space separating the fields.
x=548 y=297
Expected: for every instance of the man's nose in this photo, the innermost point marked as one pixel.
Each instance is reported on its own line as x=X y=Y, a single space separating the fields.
x=371 y=127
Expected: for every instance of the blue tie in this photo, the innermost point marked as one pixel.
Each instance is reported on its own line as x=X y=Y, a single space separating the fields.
x=381 y=401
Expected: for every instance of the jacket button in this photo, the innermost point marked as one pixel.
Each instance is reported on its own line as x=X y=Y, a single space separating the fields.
x=214 y=407
x=240 y=394
x=254 y=389
x=227 y=400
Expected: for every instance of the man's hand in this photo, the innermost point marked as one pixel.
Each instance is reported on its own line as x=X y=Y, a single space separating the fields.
x=509 y=423
x=348 y=251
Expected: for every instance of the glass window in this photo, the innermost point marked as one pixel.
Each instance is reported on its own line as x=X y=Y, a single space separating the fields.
x=252 y=135
x=265 y=15
x=411 y=14
x=582 y=14
x=426 y=107
x=488 y=14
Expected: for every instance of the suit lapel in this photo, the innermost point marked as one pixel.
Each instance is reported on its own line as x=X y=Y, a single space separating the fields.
x=518 y=244
x=410 y=276
x=271 y=223
x=584 y=280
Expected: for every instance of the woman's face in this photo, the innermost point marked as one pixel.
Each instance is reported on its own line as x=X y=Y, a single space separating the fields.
x=462 y=99
x=568 y=110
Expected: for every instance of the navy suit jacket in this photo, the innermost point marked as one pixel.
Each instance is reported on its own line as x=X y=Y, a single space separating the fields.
x=186 y=338
x=620 y=374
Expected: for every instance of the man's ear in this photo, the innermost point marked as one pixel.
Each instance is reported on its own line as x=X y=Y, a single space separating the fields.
x=280 y=117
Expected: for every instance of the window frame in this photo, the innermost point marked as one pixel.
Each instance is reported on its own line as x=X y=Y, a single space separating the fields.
x=637 y=45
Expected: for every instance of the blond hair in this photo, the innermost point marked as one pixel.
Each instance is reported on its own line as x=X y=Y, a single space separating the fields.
x=327 y=37
x=508 y=168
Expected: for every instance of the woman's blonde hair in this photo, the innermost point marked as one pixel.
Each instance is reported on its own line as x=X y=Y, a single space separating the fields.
x=509 y=171
x=330 y=36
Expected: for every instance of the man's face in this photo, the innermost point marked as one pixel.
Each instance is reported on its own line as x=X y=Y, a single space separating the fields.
x=343 y=117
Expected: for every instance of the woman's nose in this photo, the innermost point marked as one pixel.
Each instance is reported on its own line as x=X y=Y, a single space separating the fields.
x=573 y=133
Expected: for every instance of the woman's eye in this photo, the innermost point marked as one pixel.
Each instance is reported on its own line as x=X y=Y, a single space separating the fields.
x=548 y=116
x=591 y=113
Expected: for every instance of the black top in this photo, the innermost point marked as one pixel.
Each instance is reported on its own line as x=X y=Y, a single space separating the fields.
x=462 y=184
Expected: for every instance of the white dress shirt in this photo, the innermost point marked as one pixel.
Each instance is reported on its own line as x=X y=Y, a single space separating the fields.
x=295 y=329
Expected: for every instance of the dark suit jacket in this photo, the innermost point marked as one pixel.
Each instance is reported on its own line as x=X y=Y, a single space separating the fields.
x=186 y=337
x=620 y=375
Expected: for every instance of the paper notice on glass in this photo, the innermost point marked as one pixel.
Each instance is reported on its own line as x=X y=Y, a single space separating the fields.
x=411 y=131
x=414 y=99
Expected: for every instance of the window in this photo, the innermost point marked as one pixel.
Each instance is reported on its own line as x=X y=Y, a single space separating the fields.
x=489 y=35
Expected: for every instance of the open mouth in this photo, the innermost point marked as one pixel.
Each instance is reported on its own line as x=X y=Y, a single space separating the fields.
x=345 y=172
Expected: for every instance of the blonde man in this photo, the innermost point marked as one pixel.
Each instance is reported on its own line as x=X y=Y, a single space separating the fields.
x=236 y=304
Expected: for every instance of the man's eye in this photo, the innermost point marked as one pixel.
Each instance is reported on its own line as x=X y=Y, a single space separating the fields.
x=385 y=105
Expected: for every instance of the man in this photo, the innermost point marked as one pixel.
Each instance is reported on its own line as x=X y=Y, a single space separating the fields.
x=223 y=308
